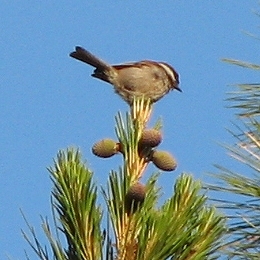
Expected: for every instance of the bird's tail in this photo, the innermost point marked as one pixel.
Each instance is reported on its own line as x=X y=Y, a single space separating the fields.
x=87 y=57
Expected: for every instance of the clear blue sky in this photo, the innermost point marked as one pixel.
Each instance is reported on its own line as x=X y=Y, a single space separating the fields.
x=49 y=101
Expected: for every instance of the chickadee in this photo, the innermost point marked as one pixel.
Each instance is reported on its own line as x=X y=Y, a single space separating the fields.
x=149 y=79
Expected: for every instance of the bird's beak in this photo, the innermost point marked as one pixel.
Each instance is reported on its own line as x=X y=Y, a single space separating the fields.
x=177 y=88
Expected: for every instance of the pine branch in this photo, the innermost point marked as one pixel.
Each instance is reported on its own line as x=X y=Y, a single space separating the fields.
x=137 y=228
x=75 y=201
x=244 y=211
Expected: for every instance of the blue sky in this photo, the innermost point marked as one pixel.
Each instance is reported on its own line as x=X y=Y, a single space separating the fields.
x=50 y=102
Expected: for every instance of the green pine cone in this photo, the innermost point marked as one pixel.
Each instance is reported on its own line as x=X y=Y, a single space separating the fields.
x=150 y=138
x=105 y=148
x=135 y=197
x=163 y=160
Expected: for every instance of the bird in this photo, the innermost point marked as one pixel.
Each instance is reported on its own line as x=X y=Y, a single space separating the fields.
x=148 y=79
